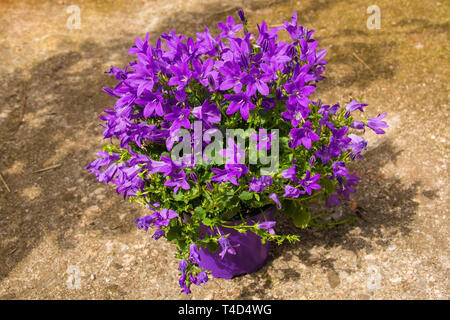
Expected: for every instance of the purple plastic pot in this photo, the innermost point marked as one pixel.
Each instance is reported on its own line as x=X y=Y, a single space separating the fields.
x=250 y=255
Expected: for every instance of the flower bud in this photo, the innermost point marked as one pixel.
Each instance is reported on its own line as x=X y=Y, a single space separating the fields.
x=357 y=125
x=241 y=15
x=211 y=81
x=312 y=161
x=193 y=177
x=183 y=265
x=158 y=234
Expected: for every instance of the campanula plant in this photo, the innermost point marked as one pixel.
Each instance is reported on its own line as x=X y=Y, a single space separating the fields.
x=171 y=149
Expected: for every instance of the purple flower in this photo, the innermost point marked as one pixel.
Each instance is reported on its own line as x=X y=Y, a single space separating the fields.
x=179 y=117
x=108 y=174
x=166 y=166
x=144 y=222
x=264 y=139
x=309 y=183
x=232 y=76
x=211 y=81
x=153 y=104
x=377 y=123
x=339 y=137
x=240 y=102
x=105 y=159
x=299 y=92
x=206 y=43
x=163 y=217
x=227 y=247
x=291 y=173
x=295 y=113
x=234 y=153
x=194 y=255
x=357 y=144
x=268 y=103
x=141 y=46
x=303 y=136
x=334 y=109
x=202 y=278
x=183 y=265
x=256 y=81
x=259 y=185
x=275 y=199
x=292 y=192
x=339 y=169
x=308 y=51
x=182 y=281
x=193 y=279
x=128 y=180
x=143 y=79
x=230 y=28
x=267 y=225
x=295 y=32
x=326 y=153
x=158 y=234
x=181 y=75
x=354 y=105
x=324 y=120
x=185 y=289
x=357 y=125
x=348 y=187
x=232 y=173
x=240 y=51
x=208 y=112
x=205 y=72
x=178 y=180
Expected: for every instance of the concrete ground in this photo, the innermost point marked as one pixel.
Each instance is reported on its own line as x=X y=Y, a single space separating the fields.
x=61 y=223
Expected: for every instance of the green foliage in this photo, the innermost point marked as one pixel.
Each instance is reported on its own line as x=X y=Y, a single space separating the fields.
x=299 y=213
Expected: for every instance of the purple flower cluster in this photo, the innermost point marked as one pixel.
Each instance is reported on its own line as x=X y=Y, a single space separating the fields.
x=197 y=279
x=153 y=93
x=236 y=79
x=156 y=219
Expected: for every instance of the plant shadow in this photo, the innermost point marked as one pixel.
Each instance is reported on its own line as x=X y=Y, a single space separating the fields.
x=52 y=113
x=384 y=208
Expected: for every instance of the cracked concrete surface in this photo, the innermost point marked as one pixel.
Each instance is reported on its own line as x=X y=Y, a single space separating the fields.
x=61 y=225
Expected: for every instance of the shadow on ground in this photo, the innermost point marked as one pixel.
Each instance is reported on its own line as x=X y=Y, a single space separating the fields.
x=382 y=203
x=53 y=119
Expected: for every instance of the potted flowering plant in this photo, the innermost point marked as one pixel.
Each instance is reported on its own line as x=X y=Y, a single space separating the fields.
x=219 y=135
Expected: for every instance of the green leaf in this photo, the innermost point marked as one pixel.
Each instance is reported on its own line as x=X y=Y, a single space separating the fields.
x=301 y=220
x=200 y=213
x=173 y=233
x=245 y=195
x=327 y=185
x=178 y=196
x=230 y=214
x=207 y=222
x=300 y=214
x=213 y=246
